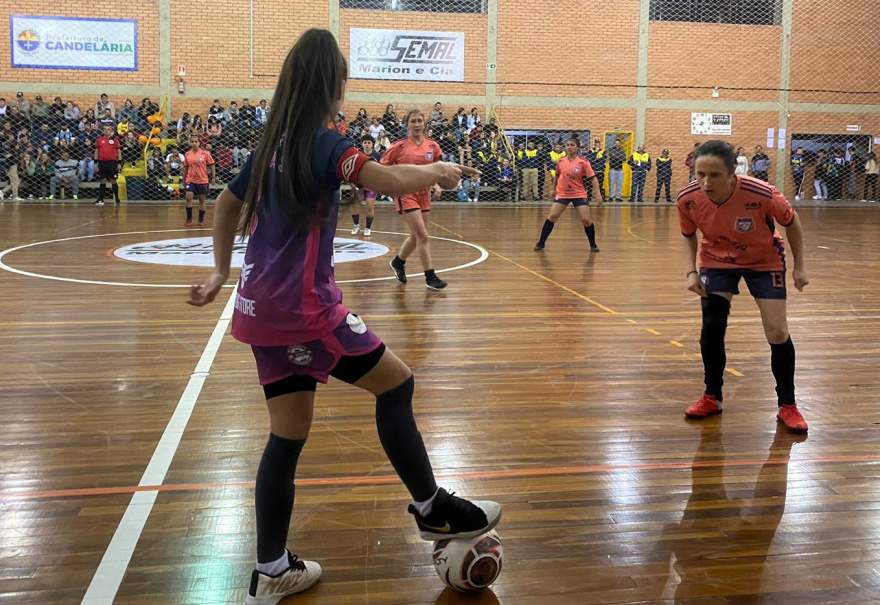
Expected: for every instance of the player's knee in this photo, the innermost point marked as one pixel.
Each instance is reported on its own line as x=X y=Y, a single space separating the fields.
x=715 y=312
x=586 y=222
x=776 y=335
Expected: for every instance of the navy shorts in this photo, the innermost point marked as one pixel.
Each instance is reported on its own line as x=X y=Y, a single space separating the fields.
x=581 y=201
x=762 y=284
x=197 y=188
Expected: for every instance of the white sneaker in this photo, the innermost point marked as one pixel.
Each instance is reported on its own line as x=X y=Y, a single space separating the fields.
x=797 y=198
x=368 y=232
x=2 y=195
x=19 y=198
x=99 y=203
x=51 y=197
x=354 y=230
x=76 y=197
x=269 y=590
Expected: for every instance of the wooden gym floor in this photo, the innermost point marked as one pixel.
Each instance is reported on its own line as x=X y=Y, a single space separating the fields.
x=554 y=383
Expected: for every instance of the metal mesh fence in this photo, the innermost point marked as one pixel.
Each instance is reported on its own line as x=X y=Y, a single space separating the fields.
x=792 y=83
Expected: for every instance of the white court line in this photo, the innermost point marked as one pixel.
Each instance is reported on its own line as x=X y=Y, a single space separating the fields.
x=484 y=254
x=105 y=583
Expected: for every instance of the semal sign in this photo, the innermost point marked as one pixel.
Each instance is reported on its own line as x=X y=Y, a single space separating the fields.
x=385 y=54
x=199 y=251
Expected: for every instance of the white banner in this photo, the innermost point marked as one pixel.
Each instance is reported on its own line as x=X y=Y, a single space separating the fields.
x=712 y=124
x=73 y=43
x=391 y=54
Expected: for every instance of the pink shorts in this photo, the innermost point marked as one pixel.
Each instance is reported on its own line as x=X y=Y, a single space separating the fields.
x=316 y=358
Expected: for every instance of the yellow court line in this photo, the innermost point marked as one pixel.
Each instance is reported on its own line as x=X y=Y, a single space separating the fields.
x=652 y=331
x=675 y=343
x=734 y=372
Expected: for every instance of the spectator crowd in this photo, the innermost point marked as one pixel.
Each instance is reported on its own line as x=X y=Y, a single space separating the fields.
x=44 y=147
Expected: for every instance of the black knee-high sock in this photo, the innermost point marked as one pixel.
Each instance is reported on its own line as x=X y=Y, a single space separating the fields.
x=591 y=233
x=102 y=189
x=402 y=441
x=115 y=187
x=274 y=495
x=202 y=215
x=782 y=362
x=356 y=219
x=715 y=312
x=189 y=213
x=545 y=231
x=369 y=222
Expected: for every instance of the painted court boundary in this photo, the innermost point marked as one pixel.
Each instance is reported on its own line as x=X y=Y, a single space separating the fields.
x=105 y=583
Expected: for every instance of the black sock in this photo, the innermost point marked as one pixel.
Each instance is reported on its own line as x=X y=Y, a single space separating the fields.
x=398 y=261
x=782 y=362
x=102 y=189
x=115 y=187
x=189 y=213
x=369 y=222
x=429 y=274
x=201 y=216
x=545 y=231
x=274 y=495
x=591 y=233
x=402 y=441
x=715 y=311
x=356 y=219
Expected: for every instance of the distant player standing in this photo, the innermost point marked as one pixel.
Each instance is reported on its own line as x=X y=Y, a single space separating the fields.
x=365 y=196
x=108 y=155
x=571 y=173
x=197 y=164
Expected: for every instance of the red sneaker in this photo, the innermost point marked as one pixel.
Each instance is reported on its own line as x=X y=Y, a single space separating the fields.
x=705 y=406
x=188 y=224
x=791 y=417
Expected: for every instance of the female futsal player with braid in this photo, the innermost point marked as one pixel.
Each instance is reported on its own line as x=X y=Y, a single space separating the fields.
x=737 y=217
x=290 y=311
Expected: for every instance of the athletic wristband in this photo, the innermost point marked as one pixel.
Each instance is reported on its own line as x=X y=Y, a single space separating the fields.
x=689 y=273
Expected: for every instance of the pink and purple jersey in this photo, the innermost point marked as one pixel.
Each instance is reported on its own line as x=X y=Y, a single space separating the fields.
x=287 y=293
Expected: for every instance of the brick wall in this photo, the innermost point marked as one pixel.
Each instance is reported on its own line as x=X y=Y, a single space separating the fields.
x=544 y=49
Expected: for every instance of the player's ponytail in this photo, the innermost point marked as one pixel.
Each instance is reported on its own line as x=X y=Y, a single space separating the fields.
x=719 y=149
x=309 y=87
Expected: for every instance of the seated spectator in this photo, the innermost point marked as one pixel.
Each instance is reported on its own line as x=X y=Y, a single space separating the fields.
x=247 y=114
x=473 y=119
x=104 y=105
x=262 y=114
x=56 y=111
x=72 y=115
x=471 y=187
x=215 y=129
x=173 y=162
x=146 y=109
x=360 y=125
x=222 y=155
x=449 y=147
x=376 y=128
x=132 y=150
x=65 y=176
x=64 y=135
x=87 y=119
x=43 y=138
x=40 y=111
x=155 y=188
x=43 y=171
x=107 y=121
x=197 y=127
x=216 y=111
x=128 y=113
x=27 y=167
x=383 y=142
x=183 y=123
x=232 y=114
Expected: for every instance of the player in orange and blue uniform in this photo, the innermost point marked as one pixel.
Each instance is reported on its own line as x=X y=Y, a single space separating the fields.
x=572 y=172
x=737 y=216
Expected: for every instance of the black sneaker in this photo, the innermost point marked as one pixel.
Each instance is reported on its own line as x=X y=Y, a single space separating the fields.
x=539 y=247
x=434 y=283
x=399 y=268
x=594 y=248
x=454 y=517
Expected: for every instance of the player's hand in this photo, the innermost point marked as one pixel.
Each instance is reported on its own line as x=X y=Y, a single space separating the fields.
x=201 y=295
x=800 y=279
x=450 y=175
x=437 y=192
x=696 y=286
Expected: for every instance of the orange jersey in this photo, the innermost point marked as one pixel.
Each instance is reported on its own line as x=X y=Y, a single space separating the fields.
x=197 y=163
x=741 y=232
x=570 y=179
x=407 y=152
